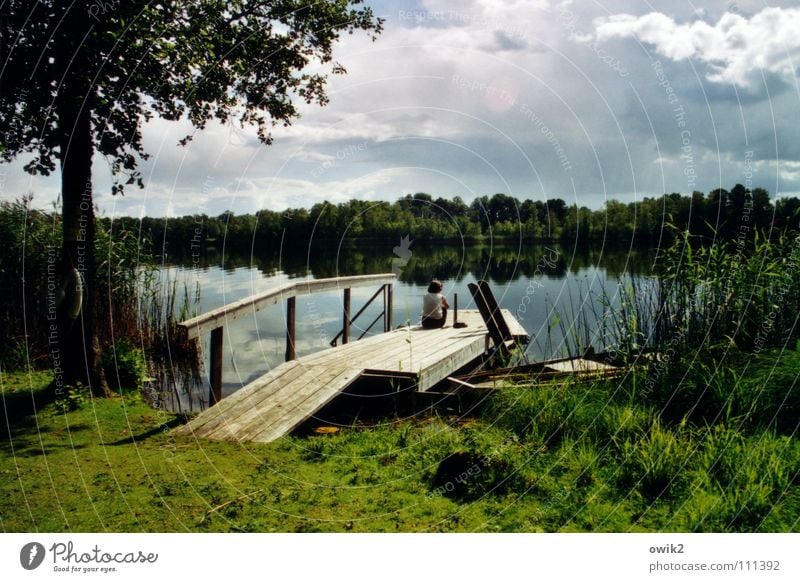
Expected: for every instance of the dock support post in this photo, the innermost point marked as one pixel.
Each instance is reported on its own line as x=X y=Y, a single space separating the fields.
x=346 y=317
x=291 y=308
x=387 y=317
x=215 y=391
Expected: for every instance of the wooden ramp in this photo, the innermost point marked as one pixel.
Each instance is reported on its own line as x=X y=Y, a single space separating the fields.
x=274 y=404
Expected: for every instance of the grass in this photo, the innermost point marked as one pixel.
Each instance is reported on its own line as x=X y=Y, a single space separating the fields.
x=559 y=457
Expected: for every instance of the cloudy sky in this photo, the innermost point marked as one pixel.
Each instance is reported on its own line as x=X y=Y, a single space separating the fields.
x=585 y=101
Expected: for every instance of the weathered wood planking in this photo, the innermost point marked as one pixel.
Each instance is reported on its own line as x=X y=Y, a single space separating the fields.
x=291 y=405
x=241 y=400
x=515 y=326
x=302 y=405
x=274 y=404
x=202 y=324
x=580 y=365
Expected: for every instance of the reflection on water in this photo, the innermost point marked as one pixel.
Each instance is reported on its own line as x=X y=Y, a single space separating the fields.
x=547 y=287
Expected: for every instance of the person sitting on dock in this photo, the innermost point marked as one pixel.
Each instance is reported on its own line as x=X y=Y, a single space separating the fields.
x=434 y=306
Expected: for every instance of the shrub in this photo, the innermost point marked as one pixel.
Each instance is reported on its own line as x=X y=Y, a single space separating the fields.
x=125 y=367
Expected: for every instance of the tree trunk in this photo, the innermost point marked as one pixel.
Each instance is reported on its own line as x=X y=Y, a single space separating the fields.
x=79 y=348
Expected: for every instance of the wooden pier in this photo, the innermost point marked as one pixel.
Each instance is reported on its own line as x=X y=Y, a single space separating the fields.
x=274 y=404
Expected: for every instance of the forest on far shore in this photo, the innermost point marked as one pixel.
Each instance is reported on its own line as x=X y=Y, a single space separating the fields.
x=734 y=214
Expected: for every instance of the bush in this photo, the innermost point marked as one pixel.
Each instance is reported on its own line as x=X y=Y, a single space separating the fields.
x=125 y=367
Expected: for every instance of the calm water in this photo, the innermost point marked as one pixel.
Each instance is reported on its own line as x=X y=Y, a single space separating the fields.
x=547 y=287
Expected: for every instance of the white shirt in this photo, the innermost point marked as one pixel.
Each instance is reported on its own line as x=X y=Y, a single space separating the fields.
x=432 y=305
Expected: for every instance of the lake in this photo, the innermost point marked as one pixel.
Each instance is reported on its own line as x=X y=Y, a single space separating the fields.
x=559 y=294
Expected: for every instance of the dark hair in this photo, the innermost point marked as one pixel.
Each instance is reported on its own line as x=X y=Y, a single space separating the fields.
x=435 y=286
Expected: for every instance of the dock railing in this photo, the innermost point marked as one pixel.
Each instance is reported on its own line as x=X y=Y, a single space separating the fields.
x=214 y=321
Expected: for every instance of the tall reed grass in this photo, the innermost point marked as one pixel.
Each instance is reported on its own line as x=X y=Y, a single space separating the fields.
x=700 y=433
x=138 y=309
x=703 y=294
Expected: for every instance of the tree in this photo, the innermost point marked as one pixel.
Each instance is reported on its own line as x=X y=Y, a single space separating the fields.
x=80 y=79
x=763 y=210
x=503 y=208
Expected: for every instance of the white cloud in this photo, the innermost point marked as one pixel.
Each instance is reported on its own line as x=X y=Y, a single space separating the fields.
x=374 y=126
x=737 y=49
x=279 y=193
x=789 y=170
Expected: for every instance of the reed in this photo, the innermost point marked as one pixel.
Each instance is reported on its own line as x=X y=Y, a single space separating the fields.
x=138 y=310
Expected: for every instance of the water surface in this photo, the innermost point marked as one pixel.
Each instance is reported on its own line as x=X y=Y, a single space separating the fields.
x=554 y=291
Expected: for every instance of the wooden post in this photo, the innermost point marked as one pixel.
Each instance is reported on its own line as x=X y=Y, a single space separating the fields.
x=388 y=315
x=291 y=308
x=385 y=328
x=346 y=317
x=455 y=308
x=215 y=392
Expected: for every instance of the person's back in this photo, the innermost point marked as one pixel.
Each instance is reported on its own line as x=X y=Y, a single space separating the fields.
x=434 y=306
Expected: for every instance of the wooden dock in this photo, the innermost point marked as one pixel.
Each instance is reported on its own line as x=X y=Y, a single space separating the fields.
x=274 y=404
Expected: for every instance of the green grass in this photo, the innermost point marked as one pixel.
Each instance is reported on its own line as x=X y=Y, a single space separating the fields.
x=559 y=457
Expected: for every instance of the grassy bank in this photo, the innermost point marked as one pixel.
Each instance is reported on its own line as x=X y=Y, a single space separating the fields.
x=560 y=457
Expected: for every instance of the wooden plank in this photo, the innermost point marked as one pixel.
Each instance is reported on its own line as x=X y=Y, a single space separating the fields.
x=353 y=349
x=426 y=343
x=202 y=324
x=580 y=365
x=475 y=329
x=448 y=343
x=368 y=350
x=445 y=350
x=460 y=383
x=380 y=346
x=405 y=357
x=514 y=325
x=488 y=318
x=304 y=406
x=240 y=400
x=397 y=357
x=232 y=400
x=282 y=409
x=494 y=308
x=337 y=283
x=263 y=398
x=232 y=425
x=434 y=371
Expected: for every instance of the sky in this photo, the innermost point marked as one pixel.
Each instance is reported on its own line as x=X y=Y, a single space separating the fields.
x=582 y=100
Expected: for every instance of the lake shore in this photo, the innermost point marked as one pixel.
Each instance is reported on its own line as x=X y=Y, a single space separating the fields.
x=565 y=457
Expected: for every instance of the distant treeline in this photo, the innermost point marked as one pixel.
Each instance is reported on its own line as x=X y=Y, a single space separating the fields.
x=733 y=214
